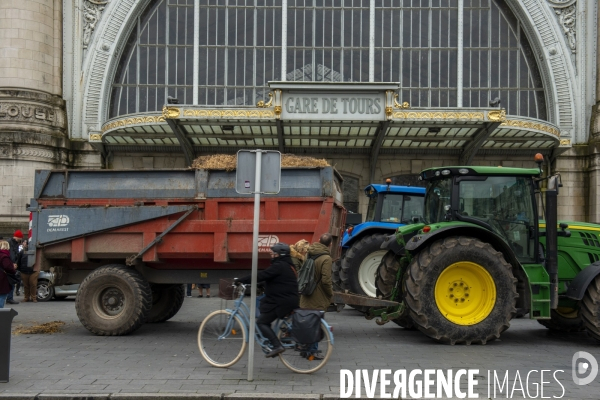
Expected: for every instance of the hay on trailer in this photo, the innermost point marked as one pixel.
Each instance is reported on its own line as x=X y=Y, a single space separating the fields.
x=228 y=162
x=48 y=327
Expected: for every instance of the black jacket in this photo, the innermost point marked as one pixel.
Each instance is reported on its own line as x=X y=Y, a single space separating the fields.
x=14 y=250
x=281 y=287
x=22 y=264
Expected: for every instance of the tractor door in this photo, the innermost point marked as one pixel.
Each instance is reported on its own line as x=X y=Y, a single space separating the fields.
x=506 y=205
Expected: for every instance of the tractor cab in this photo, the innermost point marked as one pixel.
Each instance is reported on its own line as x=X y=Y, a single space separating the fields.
x=394 y=204
x=501 y=200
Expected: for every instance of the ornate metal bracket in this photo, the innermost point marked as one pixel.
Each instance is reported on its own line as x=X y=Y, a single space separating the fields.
x=262 y=104
x=404 y=104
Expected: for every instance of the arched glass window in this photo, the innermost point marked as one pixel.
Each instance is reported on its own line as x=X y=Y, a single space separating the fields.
x=416 y=42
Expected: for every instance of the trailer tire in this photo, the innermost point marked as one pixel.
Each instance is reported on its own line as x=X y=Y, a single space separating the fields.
x=564 y=321
x=360 y=262
x=590 y=309
x=166 y=302
x=460 y=290
x=113 y=300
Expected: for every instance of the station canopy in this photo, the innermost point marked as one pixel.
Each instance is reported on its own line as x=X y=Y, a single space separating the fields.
x=309 y=117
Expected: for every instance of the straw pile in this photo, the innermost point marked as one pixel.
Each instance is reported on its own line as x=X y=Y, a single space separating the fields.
x=228 y=162
x=48 y=327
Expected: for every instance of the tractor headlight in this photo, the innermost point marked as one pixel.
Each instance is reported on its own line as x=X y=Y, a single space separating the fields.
x=463 y=171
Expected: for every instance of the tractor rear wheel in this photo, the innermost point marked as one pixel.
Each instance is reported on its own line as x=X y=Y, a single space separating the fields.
x=564 y=320
x=359 y=266
x=590 y=309
x=166 y=302
x=113 y=300
x=335 y=275
x=460 y=290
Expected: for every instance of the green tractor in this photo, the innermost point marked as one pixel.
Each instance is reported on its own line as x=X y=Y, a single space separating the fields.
x=481 y=254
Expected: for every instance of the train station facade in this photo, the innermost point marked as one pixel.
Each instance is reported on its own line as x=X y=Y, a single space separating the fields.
x=380 y=88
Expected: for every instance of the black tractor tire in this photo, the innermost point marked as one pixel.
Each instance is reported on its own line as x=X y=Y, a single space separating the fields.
x=426 y=269
x=113 y=300
x=564 y=322
x=385 y=280
x=590 y=309
x=352 y=262
x=44 y=290
x=166 y=302
x=335 y=275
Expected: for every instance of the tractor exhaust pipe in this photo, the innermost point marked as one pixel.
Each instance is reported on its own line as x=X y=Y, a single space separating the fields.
x=552 y=237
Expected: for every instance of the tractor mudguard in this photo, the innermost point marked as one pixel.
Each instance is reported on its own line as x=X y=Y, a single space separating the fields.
x=390 y=243
x=417 y=242
x=582 y=280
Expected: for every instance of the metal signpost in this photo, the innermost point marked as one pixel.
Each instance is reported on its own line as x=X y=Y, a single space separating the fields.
x=258 y=171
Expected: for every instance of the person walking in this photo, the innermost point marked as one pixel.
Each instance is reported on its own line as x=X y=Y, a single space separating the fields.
x=7 y=267
x=321 y=297
x=14 y=243
x=298 y=253
x=28 y=276
x=201 y=286
x=281 y=293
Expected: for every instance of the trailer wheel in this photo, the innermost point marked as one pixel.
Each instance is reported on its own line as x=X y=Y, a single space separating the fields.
x=359 y=266
x=590 y=309
x=564 y=320
x=166 y=302
x=460 y=290
x=113 y=300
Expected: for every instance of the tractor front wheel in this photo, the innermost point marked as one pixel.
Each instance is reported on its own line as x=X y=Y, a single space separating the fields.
x=460 y=290
x=590 y=309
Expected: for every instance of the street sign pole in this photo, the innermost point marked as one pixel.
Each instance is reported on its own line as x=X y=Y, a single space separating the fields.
x=266 y=179
x=254 y=266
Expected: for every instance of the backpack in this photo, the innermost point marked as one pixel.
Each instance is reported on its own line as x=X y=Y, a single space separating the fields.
x=306 y=276
x=306 y=326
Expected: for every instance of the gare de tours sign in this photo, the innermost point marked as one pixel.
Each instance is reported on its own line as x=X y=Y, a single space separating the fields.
x=333 y=101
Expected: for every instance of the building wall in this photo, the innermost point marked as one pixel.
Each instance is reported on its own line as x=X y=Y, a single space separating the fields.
x=33 y=132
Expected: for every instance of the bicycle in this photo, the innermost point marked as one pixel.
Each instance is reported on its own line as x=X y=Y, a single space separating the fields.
x=223 y=337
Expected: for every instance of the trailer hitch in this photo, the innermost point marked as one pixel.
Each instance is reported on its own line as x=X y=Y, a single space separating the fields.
x=131 y=259
x=385 y=314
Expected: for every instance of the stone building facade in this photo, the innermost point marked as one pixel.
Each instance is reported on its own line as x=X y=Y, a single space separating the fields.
x=80 y=86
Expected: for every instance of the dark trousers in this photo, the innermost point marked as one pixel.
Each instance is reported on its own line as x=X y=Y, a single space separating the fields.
x=264 y=322
x=189 y=289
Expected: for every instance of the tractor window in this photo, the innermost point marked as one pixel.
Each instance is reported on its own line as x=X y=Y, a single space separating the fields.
x=437 y=201
x=413 y=207
x=371 y=209
x=392 y=208
x=505 y=204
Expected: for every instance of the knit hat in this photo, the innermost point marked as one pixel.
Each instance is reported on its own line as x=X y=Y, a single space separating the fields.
x=18 y=234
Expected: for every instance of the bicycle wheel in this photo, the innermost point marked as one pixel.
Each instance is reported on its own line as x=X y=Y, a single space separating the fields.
x=302 y=358
x=222 y=338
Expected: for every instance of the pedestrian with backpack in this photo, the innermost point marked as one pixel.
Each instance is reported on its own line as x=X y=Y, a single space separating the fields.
x=298 y=253
x=320 y=297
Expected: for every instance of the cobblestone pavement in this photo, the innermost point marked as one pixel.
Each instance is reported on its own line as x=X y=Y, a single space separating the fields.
x=164 y=358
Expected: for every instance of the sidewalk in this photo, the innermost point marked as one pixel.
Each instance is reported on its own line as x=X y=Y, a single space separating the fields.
x=162 y=360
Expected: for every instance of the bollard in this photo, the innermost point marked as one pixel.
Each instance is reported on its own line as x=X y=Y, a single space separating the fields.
x=6 y=317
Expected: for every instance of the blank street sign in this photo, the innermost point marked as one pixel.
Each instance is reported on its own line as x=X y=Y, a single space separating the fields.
x=270 y=178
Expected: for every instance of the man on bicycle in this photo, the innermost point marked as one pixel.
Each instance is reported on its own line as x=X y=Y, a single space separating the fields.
x=281 y=293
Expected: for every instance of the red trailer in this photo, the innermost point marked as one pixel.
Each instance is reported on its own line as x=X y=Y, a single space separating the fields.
x=132 y=238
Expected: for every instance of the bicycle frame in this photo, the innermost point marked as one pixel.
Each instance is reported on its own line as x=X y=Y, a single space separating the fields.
x=242 y=310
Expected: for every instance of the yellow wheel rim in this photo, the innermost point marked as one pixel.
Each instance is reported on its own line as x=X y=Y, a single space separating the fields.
x=567 y=312
x=465 y=293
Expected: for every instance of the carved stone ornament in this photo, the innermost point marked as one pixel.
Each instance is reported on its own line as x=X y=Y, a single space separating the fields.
x=566 y=11
x=92 y=11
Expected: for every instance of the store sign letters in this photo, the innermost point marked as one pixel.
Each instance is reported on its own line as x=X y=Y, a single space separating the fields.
x=333 y=107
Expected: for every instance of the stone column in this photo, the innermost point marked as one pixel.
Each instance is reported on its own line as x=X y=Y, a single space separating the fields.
x=594 y=167
x=33 y=128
